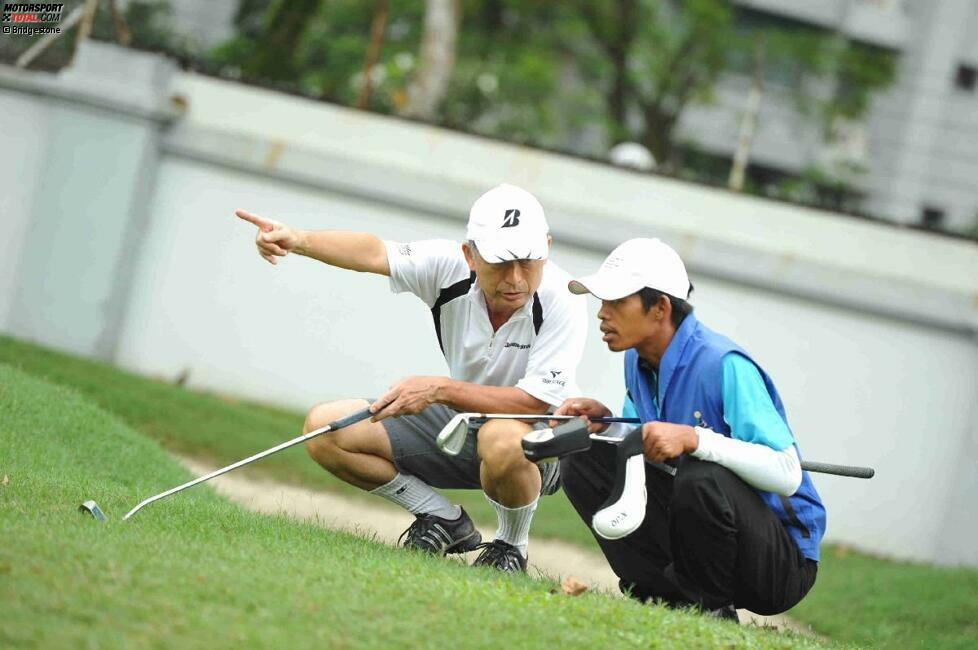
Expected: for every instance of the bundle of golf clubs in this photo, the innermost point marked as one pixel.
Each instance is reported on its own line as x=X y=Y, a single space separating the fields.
x=624 y=510
x=620 y=515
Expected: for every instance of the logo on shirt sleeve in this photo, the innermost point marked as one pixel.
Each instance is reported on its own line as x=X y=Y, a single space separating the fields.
x=552 y=379
x=404 y=249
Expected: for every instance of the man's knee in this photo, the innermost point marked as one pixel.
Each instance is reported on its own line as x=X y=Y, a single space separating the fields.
x=326 y=449
x=499 y=445
x=322 y=414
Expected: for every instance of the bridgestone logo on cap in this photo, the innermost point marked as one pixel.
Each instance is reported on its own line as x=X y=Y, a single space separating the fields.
x=511 y=218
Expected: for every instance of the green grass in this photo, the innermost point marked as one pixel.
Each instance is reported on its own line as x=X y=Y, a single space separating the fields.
x=222 y=429
x=892 y=604
x=856 y=598
x=196 y=571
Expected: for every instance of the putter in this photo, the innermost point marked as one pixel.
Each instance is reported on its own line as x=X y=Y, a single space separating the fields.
x=451 y=438
x=92 y=507
x=624 y=510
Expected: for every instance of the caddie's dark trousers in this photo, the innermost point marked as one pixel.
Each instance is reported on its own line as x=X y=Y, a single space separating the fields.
x=707 y=539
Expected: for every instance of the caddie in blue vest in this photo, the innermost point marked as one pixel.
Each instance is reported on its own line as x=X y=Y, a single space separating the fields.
x=740 y=523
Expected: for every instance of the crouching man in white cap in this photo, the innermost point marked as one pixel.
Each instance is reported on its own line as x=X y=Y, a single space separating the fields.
x=739 y=526
x=512 y=337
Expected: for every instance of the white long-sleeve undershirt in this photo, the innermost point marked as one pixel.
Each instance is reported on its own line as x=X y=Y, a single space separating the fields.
x=757 y=465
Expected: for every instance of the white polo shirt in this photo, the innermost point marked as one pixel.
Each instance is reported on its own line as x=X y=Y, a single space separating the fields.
x=536 y=350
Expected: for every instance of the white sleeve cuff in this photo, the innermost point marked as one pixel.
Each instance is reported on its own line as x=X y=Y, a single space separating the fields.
x=757 y=465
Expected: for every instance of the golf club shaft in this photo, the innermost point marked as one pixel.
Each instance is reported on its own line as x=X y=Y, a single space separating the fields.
x=851 y=471
x=545 y=417
x=338 y=424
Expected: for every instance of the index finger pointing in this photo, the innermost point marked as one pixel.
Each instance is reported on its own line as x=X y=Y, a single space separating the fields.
x=264 y=224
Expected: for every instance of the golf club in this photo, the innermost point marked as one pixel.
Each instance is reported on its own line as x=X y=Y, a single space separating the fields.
x=92 y=507
x=545 y=444
x=624 y=510
x=452 y=436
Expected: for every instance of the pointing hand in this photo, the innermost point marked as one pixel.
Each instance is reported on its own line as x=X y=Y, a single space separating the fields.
x=274 y=239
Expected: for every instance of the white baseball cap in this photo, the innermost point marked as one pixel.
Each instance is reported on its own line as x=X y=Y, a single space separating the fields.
x=636 y=264
x=507 y=223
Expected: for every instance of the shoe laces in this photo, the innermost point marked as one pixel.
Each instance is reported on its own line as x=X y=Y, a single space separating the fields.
x=500 y=554
x=415 y=532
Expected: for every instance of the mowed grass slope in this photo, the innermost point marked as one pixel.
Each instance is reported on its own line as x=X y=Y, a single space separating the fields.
x=856 y=599
x=890 y=604
x=222 y=429
x=195 y=571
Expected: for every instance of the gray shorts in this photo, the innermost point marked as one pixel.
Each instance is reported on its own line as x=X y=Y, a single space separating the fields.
x=415 y=451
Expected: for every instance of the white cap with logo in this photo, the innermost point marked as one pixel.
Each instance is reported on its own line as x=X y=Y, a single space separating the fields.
x=507 y=223
x=636 y=264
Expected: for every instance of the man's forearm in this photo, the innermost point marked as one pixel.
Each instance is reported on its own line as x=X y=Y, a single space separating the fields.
x=357 y=251
x=474 y=398
x=758 y=465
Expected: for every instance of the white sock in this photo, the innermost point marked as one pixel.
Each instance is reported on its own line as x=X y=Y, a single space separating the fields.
x=514 y=523
x=415 y=495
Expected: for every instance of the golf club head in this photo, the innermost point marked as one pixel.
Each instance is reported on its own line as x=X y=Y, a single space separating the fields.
x=451 y=438
x=92 y=508
x=624 y=510
x=546 y=445
x=623 y=516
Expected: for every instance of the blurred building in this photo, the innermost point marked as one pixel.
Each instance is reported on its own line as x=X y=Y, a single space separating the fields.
x=918 y=142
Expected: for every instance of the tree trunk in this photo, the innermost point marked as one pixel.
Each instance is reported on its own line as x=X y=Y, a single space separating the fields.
x=85 y=27
x=748 y=125
x=657 y=136
x=275 y=60
x=377 y=29
x=122 y=33
x=430 y=83
x=617 y=99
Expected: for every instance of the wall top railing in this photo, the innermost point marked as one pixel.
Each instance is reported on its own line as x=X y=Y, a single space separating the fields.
x=900 y=273
x=876 y=268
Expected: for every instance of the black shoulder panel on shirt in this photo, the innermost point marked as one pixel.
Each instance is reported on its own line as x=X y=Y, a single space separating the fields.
x=537 y=313
x=449 y=294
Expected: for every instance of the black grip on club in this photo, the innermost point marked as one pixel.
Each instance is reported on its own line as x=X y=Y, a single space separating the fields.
x=353 y=418
x=630 y=445
x=571 y=437
x=838 y=470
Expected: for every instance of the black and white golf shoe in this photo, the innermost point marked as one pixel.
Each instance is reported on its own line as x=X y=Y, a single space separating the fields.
x=500 y=555
x=438 y=536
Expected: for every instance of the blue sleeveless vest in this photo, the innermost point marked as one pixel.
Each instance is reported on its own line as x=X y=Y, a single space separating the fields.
x=690 y=391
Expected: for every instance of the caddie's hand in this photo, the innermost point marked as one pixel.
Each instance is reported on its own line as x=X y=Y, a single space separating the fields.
x=409 y=396
x=664 y=440
x=274 y=239
x=586 y=407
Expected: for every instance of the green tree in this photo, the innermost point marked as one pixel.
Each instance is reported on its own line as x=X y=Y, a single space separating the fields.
x=536 y=71
x=679 y=51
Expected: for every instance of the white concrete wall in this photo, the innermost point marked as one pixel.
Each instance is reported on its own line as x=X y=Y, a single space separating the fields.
x=859 y=388
x=869 y=331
